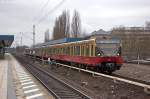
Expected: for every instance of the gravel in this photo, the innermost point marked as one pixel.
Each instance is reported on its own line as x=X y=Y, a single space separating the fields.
x=99 y=87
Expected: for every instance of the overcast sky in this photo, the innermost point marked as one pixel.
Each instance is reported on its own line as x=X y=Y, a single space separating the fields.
x=19 y=15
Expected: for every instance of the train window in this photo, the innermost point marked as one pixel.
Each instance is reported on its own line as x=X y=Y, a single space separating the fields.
x=74 y=50
x=71 y=50
x=57 y=50
x=68 y=50
x=60 y=51
x=91 y=50
x=82 y=50
x=64 y=51
x=87 y=50
x=54 y=50
x=77 y=50
x=46 y=50
x=50 y=51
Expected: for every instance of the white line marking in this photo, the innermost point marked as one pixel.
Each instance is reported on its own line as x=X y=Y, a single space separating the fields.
x=20 y=71
x=26 y=87
x=29 y=91
x=34 y=96
x=27 y=83
x=24 y=76
x=26 y=80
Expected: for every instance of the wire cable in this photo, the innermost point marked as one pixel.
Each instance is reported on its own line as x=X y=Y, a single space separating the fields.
x=51 y=11
x=42 y=9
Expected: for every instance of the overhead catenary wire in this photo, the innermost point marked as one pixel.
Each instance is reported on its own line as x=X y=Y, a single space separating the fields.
x=51 y=11
x=42 y=9
x=44 y=16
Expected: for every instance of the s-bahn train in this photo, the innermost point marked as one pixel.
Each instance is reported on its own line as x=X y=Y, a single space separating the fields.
x=102 y=55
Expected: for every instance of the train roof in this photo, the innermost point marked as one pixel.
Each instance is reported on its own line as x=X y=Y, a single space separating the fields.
x=59 y=41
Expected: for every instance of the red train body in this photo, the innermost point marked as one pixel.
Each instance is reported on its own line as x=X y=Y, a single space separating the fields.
x=95 y=56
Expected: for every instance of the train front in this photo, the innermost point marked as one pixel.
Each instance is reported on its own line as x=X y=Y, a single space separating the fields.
x=109 y=52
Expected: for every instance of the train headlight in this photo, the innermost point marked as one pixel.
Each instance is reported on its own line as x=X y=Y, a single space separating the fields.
x=99 y=54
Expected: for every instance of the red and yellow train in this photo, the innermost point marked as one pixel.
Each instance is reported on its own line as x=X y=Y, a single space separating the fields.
x=103 y=55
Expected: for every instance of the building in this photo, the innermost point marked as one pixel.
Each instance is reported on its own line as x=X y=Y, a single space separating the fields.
x=135 y=41
x=100 y=35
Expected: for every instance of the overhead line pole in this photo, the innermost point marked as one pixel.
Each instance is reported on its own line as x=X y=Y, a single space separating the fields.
x=21 y=39
x=33 y=35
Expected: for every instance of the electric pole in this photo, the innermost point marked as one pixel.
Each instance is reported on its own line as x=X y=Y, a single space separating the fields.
x=33 y=35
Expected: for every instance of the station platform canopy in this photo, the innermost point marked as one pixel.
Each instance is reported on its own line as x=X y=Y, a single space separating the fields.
x=6 y=40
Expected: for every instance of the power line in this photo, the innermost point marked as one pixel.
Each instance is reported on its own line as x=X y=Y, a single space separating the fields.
x=33 y=35
x=28 y=37
x=42 y=8
x=51 y=11
x=43 y=17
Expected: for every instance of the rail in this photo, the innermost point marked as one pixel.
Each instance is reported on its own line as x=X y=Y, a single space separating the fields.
x=145 y=86
x=61 y=85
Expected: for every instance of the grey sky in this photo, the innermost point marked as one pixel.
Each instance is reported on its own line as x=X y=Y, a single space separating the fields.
x=19 y=15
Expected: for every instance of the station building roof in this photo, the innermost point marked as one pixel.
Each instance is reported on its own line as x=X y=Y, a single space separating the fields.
x=6 y=40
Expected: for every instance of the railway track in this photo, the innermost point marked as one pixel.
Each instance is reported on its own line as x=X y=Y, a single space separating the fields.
x=58 y=88
x=131 y=79
x=140 y=83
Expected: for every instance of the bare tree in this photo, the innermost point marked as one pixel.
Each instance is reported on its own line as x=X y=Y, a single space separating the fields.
x=62 y=26
x=76 y=25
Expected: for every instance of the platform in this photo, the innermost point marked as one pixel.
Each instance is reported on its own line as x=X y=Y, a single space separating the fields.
x=17 y=83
